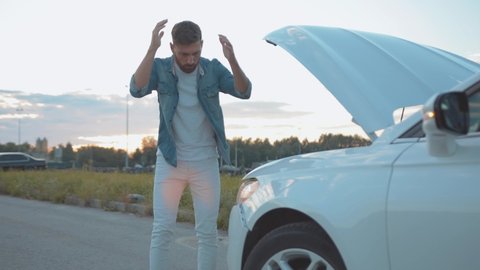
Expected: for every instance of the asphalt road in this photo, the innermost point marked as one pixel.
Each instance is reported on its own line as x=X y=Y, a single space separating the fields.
x=40 y=235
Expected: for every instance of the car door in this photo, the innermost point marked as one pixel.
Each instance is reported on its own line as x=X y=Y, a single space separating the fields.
x=433 y=219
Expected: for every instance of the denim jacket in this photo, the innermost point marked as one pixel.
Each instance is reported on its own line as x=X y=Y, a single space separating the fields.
x=213 y=77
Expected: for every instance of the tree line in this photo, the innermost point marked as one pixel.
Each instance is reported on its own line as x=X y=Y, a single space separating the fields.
x=245 y=153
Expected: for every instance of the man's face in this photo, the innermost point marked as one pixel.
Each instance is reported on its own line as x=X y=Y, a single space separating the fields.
x=187 y=56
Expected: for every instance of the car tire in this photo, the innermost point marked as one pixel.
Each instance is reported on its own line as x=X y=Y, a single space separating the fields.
x=294 y=246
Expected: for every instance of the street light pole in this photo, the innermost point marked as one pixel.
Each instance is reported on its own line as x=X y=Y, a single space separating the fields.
x=236 y=155
x=126 y=142
x=19 y=127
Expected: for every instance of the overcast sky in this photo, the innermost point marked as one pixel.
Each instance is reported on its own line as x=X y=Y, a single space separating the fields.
x=65 y=65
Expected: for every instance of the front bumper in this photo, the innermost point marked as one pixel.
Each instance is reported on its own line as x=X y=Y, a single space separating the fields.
x=237 y=233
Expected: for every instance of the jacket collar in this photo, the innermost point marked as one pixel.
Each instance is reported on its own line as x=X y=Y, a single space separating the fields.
x=201 y=64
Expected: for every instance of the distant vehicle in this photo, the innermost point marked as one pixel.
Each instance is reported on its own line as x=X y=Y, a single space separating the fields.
x=22 y=161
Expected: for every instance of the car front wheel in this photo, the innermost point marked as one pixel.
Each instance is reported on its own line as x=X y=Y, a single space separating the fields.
x=294 y=246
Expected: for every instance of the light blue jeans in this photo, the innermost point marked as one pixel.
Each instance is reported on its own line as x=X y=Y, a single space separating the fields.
x=203 y=178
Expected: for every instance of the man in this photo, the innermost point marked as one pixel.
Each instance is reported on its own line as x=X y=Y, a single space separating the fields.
x=191 y=133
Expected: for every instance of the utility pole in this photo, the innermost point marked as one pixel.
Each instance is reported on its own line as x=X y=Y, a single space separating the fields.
x=126 y=139
x=236 y=155
x=19 y=110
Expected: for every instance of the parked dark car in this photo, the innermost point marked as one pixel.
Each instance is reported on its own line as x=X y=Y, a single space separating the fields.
x=22 y=161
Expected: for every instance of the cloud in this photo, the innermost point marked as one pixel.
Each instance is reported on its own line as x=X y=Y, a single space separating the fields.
x=236 y=126
x=260 y=109
x=8 y=100
x=83 y=118
x=72 y=117
x=18 y=116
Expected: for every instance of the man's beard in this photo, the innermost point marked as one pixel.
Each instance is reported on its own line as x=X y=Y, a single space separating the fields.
x=188 y=68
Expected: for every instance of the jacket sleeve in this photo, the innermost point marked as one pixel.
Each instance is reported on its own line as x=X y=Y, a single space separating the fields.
x=227 y=84
x=147 y=89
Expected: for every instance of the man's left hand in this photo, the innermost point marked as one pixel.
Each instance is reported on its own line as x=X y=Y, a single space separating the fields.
x=227 y=47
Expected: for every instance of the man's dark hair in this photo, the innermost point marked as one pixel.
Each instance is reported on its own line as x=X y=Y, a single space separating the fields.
x=186 y=32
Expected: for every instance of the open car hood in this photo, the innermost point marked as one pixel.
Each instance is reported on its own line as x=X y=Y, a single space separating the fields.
x=372 y=75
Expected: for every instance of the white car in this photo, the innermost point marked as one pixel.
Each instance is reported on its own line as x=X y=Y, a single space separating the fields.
x=410 y=200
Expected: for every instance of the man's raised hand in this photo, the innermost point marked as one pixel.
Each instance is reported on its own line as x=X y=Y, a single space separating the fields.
x=157 y=34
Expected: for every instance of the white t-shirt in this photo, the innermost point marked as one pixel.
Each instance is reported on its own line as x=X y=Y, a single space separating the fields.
x=194 y=136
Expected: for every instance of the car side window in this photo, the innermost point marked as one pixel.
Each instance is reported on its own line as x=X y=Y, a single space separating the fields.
x=21 y=157
x=474 y=106
x=13 y=158
x=415 y=132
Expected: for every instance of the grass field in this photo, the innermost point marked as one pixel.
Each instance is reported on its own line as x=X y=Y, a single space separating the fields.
x=57 y=185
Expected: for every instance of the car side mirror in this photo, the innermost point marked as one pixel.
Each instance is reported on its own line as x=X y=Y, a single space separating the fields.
x=452 y=114
x=444 y=117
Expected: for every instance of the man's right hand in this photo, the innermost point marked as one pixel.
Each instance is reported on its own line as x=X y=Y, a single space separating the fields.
x=157 y=35
x=142 y=74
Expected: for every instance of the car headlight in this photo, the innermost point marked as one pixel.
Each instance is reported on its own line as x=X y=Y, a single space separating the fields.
x=247 y=188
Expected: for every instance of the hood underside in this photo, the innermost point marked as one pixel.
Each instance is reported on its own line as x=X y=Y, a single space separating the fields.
x=372 y=75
